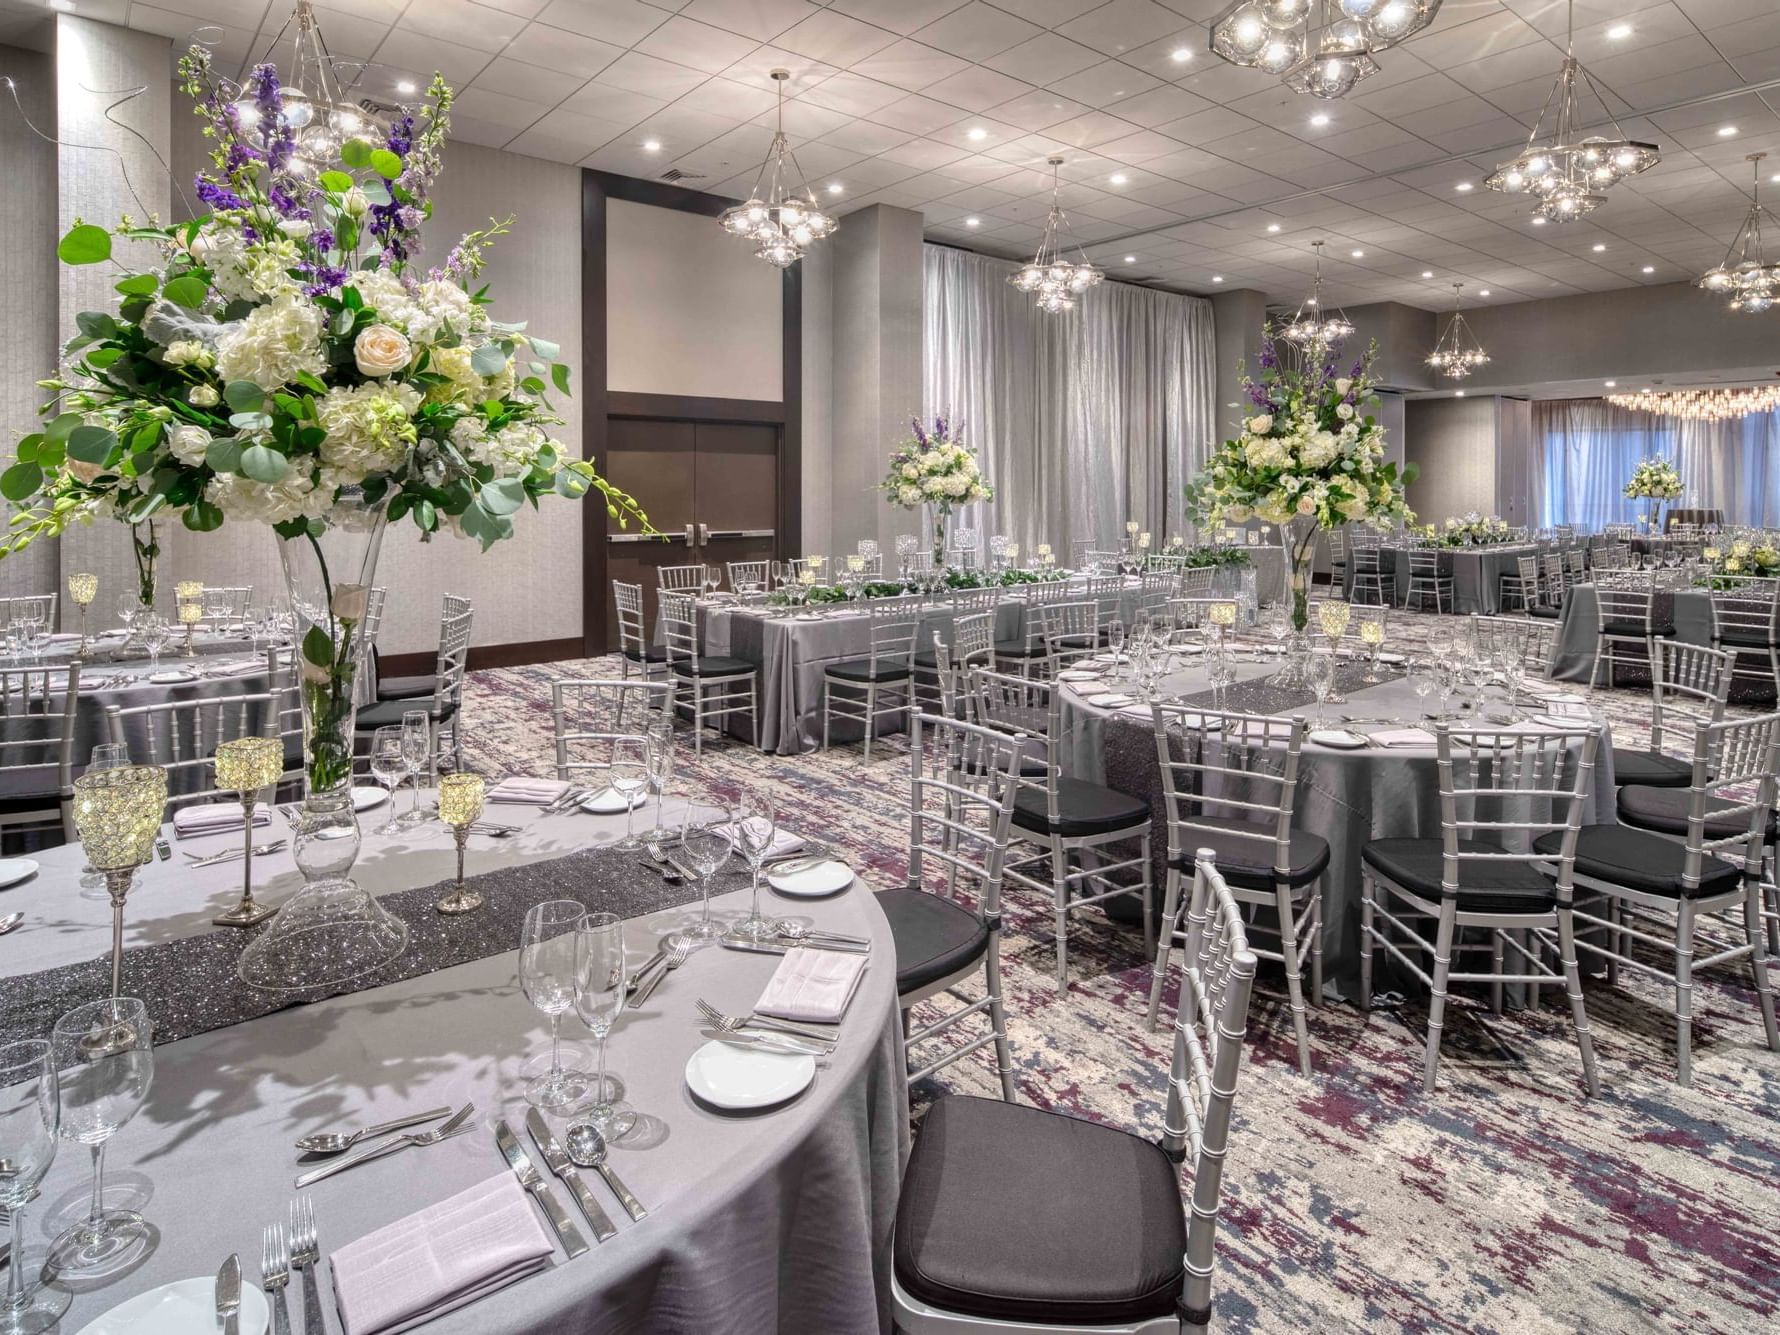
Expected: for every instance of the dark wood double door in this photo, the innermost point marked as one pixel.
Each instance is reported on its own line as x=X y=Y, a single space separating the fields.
x=711 y=489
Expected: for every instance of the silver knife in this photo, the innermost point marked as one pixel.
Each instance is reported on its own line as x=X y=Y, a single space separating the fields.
x=558 y=1162
x=228 y=1295
x=769 y=948
x=529 y=1178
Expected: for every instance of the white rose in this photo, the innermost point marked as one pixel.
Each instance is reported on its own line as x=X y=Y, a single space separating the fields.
x=204 y=396
x=355 y=203
x=1261 y=424
x=189 y=444
x=1344 y=411
x=380 y=350
x=296 y=228
x=1306 y=505
x=186 y=352
x=1343 y=385
x=351 y=602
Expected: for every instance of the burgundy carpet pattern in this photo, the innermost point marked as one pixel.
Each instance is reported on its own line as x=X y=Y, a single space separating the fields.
x=1507 y=1201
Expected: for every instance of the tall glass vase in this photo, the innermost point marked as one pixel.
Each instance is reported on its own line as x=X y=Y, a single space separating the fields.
x=939 y=536
x=1299 y=537
x=145 y=544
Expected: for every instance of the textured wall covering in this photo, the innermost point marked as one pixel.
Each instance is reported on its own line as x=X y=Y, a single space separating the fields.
x=28 y=277
x=1454 y=443
x=818 y=400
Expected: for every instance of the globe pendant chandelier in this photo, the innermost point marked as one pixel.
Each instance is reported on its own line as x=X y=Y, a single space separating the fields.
x=312 y=97
x=1744 y=274
x=784 y=218
x=1567 y=174
x=1314 y=324
x=1320 y=47
x=1457 y=352
x=1051 y=274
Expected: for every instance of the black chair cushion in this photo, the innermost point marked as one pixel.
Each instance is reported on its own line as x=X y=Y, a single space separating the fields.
x=1484 y=887
x=1650 y=769
x=934 y=937
x=1746 y=638
x=1665 y=811
x=1636 y=628
x=1019 y=649
x=388 y=713
x=653 y=653
x=927 y=659
x=1639 y=860
x=406 y=688
x=1083 y=808
x=1248 y=862
x=972 y=1238
x=28 y=788
x=866 y=670
x=1545 y=613
x=714 y=666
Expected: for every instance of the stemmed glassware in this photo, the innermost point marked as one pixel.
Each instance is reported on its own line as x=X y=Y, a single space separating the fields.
x=628 y=775
x=705 y=845
x=103 y=1083
x=600 y=989
x=659 y=760
x=1372 y=635
x=389 y=766
x=1423 y=680
x=30 y=1122
x=1333 y=617
x=755 y=825
x=713 y=580
x=417 y=750
x=1115 y=640
x=549 y=947
x=1322 y=681
x=106 y=755
x=153 y=632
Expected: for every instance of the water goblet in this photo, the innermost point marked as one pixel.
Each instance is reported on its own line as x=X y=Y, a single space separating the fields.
x=600 y=990
x=1333 y=617
x=1115 y=641
x=705 y=845
x=628 y=775
x=417 y=750
x=659 y=759
x=103 y=1084
x=549 y=944
x=1322 y=669
x=30 y=1124
x=389 y=766
x=755 y=825
x=1423 y=680
x=153 y=632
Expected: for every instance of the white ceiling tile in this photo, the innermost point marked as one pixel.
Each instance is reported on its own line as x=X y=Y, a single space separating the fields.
x=1035 y=110
x=620 y=22
x=462 y=22
x=926 y=154
x=515 y=78
x=909 y=65
x=1124 y=25
x=650 y=76
x=835 y=38
x=866 y=138
x=1105 y=84
x=561 y=50
x=1041 y=60
x=734 y=101
x=917 y=114
x=903 y=16
x=688 y=42
x=977 y=31
x=564 y=136
x=602 y=101
x=762 y=20
x=853 y=94
x=422 y=55
x=757 y=68
x=499 y=109
x=464 y=129
x=977 y=89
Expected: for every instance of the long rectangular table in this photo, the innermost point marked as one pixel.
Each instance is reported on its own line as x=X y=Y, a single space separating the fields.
x=1476 y=572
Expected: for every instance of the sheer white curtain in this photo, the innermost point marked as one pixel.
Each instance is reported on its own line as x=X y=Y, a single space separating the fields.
x=1588 y=448
x=1083 y=420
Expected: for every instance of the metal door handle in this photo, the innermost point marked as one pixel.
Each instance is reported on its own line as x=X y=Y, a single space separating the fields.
x=641 y=537
x=692 y=535
x=740 y=533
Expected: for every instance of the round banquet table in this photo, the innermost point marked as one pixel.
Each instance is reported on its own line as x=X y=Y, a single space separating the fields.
x=1688 y=610
x=1476 y=571
x=780 y=1220
x=1346 y=796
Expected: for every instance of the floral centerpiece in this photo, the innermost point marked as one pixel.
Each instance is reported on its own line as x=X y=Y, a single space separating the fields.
x=1744 y=559
x=1310 y=457
x=933 y=467
x=287 y=362
x=1655 y=480
x=1468 y=530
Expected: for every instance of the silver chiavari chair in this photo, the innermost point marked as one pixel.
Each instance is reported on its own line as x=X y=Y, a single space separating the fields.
x=284 y=682
x=1373 y=581
x=749 y=578
x=1229 y=785
x=1520 y=586
x=38 y=711
x=451 y=607
x=709 y=688
x=1071 y=631
x=1746 y=620
x=1511 y=804
x=971 y=1256
x=1426 y=580
x=939 y=672
x=445 y=704
x=587 y=716
x=1338 y=549
x=851 y=689
x=181 y=737
x=1689 y=684
x=634 y=649
x=681 y=579
x=1683 y=857
x=1196 y=581
x=1627 y=616
x=230 y=601
x=1067 y=820
x=1026 y=653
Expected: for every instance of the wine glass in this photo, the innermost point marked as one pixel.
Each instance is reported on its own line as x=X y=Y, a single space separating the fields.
x=1423 y=679
x=713 y=580
x=417 y=750
x=30 y=1121
x=389 y=766
x=705 y=845
x=104 y=1055
x=755 y=825
x=1322 y=680
x=153 y=631
x=1115 y=639
x=549 y=977
x=659 y=760
x=600 y=978
x=628 y=775
x=1372 y=635
x=128 y=605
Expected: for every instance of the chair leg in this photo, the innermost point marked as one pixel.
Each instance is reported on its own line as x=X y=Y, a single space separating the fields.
x=1496 y=973
x=1004 y=1058
x=871 y=708
x=1573 y=986
x=1437 y=1001
x=1060 y=895
x=1288 y=949
x=698 y=718
x=825 y=708
x=1314 y=904
x=1758 y=962
x=1149 y=896
x=1368 y=890
x=1164 y=942
x=1684 y=995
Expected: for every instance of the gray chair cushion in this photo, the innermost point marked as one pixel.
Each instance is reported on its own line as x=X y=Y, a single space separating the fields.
x=865 y=670
x=1664 y=810
x=1650 y=769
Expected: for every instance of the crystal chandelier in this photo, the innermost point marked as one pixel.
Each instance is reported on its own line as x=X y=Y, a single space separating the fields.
x=782 y=221
x=1702 y=405
x=1320 y=47
x=1744 y=272
x=1568 y=173
x=312 y=96
x=1056 y=278
x=1313 y=323
x=1457 y=352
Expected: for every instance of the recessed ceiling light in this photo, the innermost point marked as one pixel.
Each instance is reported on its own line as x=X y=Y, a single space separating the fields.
x=1427 y=273
x=1619 y=32
x=1272 y=227
x=1649 y=268
x=1539 y=222
x=1600 y=246
x=1610 y=383
x=652 y=146
x=1458 y=394
x=976 y=132
x=1483 y=291
x=1181 y=54
x=407 y=86
x=1118 y=178
x=1217 y=278
x=1320 y=119
x=835 y=188
x=973 y=222
x=1359 y=254
x=65 y=6
x=1465 y=187
x=1726 y=131
x=1130 y=259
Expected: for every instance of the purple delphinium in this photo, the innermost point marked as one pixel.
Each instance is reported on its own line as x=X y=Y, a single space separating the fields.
x=939 y=427
x=1257 y=394
x=920 y=432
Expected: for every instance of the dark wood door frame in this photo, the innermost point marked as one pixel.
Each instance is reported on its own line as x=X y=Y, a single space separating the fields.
x=599 y=403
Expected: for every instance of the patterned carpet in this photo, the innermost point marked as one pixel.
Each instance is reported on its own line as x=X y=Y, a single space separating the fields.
x=1507 y=1201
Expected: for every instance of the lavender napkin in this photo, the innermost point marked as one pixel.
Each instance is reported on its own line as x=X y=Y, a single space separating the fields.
x=521 y=791
x=215 y=818
x=439 y=1259
x=814 y=986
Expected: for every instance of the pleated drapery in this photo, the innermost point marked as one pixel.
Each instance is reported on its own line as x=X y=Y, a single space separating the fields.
x=1083 y=420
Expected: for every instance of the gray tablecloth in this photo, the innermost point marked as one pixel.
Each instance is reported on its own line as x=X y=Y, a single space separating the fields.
x=1476 y=573
x=1573 y=651
x=776 y=1221
x=1347 y=797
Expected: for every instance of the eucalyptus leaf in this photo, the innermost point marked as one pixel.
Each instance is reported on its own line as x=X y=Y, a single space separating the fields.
x=488 y=360
x=85 y=244
x=338 y=182
x=549 y=351
x=503 y=497
x=20 y=481
x=95 y=324
x=91 y=444
x=201 y=516
x=263 y=464
x=356 y=153
x=386 y=164
x=138 y=285
x=244 y=396
x=224 y=456
x=186 y=291
x=559 y=376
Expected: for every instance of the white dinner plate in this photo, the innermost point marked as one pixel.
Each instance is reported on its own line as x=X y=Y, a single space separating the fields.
x=1386 y=656
x=180 y=1308
x=1338 y=739
x=368 y=797
x=14 y=870
x=740 y=1079
x=825 y=878
x=609 y=802
x=1110 y=659
x=1113 y=700
x=171 y=678
x=1078 y=674
x=1190 y=647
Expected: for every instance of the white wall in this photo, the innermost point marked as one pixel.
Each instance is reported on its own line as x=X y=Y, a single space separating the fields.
x=1454 y=442
x=689 y=310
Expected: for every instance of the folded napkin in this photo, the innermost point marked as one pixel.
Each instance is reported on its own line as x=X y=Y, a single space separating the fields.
x=783 y=841
x=813 y=986
x=1403 y=737
x=65 y=637
x=439 y=1259
x=1089 y=688
x=216 y=818
x=521 y=791
x=1113 y=700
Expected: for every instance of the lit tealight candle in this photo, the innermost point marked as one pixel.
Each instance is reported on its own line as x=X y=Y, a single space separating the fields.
x=189 y=590
x=460 y=806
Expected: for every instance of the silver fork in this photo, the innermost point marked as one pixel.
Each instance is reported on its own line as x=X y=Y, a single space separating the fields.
x=732 y=1023
x=456 y=1126
x=678 y=948
x=305 y=1254
x=275 y=1274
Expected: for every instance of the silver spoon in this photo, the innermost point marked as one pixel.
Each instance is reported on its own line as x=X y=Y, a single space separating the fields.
x=10 y=921
x=587 y=1147
x=334 y=1142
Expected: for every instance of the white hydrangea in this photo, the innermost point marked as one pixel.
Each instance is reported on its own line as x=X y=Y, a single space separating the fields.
x=424 y=312
x=510 y=451
x=274 y=344
x=370 y=430
x=242 y=499
x=464 y=385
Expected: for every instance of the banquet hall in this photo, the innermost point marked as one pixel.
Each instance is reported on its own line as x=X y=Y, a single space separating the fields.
x=889 y=665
